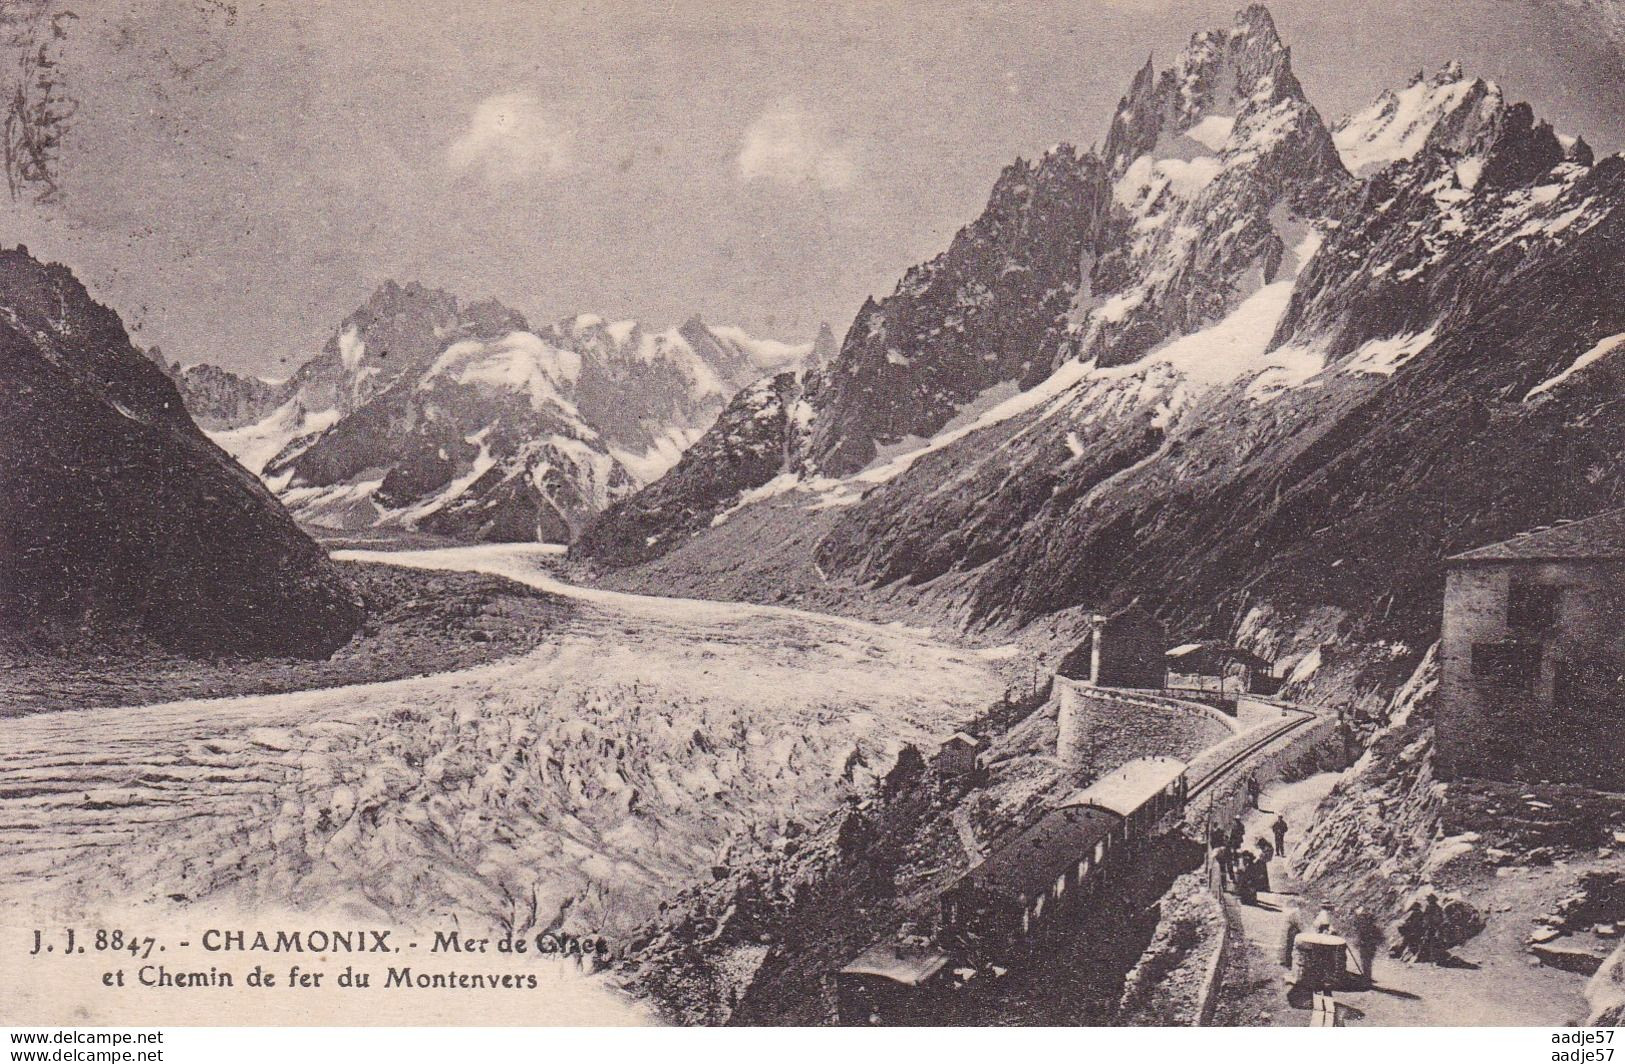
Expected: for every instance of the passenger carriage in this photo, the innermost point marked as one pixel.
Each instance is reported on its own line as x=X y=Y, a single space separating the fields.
x=1055 y=873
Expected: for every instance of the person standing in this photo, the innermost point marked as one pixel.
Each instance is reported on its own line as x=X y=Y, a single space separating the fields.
x=1365 y=938
x=1237 y=835
x=1411 y=933
x=1291 y=928
x=1433 y=949
x=1226 y=859
x=1246 y=881
x=1279 y=830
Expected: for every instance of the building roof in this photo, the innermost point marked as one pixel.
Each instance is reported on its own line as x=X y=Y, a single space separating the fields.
x=1028 y=864
x=1602 y=536
x=1205 y=654
x=1129 y=786
x=962 y=737
x=909 y=965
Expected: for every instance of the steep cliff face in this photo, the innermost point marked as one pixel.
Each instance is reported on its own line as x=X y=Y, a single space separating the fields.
x=987 y=311
x=219 y=399
x=1308 y=363
x=746 y=448
x=119 y=515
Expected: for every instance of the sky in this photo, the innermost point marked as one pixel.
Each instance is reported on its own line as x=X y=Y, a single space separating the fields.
x=238 y=179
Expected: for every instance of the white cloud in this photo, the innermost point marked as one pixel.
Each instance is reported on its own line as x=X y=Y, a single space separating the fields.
x=509 y=137
x=791 y=145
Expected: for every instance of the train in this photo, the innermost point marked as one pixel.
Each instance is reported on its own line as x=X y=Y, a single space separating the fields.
x=1051 y=876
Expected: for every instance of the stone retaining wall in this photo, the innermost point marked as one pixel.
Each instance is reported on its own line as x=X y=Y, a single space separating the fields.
x=1101 y=726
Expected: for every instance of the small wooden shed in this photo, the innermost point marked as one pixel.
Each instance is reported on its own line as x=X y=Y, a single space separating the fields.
x=960 y=754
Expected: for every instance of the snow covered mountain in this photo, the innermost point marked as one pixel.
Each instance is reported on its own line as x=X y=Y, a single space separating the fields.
x=1219 y=167
x=425 y=413
x=1300 y=364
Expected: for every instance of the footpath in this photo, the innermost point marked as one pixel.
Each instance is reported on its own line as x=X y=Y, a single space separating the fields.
x=1488 y=981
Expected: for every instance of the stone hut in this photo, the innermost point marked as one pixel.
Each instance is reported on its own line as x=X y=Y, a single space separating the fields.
x=1532 y=682
x=1124 y=649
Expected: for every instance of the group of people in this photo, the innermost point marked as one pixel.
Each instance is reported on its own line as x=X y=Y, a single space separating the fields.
x=1422 y=932
x=1363 y=935
x=1242 y=870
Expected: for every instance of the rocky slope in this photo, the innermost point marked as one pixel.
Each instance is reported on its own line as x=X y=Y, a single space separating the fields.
x=746 y=446
x=1306 y=364
x=219 y=399
x=987 y=311
x=119 y=517
x=425 y=413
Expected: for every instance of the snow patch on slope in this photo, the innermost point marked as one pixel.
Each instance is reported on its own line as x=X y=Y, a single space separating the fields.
x=768 y=356
x=1237 y=345
x=410 y=516
x=351 y=348
x=518 y=362
x=253 y=446
x=1233 y=347
x=1147 y=178
x=344 y=505
x=1383 y=357
x=1398 y=124
x=662 y=455
x=1212 y=131
x=1053 y=386
x=1597 y=351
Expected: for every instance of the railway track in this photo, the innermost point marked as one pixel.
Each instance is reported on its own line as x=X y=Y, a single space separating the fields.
x=1302 y=718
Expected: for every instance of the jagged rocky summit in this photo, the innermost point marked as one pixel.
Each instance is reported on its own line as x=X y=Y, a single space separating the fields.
x=1267 y=374
x=217 y=398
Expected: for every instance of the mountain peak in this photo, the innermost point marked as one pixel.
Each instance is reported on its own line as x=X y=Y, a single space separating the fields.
x=1451 y=71
x=696 y=332
x=1523 y=149
x=391 y=298
x=1448 y=111
x=825 y=348
x=1219 y=74
x=490 y=317
x=1255 y=21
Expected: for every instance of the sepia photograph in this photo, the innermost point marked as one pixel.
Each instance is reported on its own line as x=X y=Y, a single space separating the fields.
x=850 y=514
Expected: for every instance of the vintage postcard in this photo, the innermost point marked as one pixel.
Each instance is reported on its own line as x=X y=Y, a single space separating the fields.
x=1084 y=513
